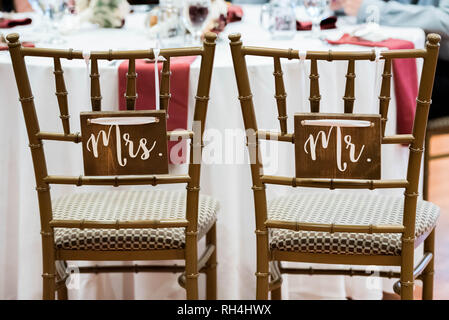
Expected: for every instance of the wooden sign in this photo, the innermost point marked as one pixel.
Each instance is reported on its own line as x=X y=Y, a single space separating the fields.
x=124 y=142
x=339 y=146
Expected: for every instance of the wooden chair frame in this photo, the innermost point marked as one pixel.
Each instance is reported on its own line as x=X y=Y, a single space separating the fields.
x=265 y=255
x=193 y=265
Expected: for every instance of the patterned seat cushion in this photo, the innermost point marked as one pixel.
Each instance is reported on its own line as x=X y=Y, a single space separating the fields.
x=128 y=205
x=345 y=208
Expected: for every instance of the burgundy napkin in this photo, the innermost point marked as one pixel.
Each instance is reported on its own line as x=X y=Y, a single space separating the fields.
x=405 y=78
x=179 y=87
x=10 y=23
x=328 y=23
x=4 y=46
x=235 y=13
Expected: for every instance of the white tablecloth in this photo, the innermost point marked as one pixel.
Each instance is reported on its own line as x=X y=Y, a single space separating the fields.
x=20 y=245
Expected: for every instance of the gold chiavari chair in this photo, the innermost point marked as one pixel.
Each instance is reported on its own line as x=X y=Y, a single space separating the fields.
x=123 y=225
x=340 y=228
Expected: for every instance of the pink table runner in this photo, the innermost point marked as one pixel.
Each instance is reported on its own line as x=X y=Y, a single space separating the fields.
x=179 y=88
x=405 y=79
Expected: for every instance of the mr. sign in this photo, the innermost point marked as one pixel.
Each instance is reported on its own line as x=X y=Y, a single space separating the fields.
x=339 y=146
x=124 y=143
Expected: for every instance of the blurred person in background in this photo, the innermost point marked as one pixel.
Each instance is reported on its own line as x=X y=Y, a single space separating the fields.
x=430 y=15
x=15 y=5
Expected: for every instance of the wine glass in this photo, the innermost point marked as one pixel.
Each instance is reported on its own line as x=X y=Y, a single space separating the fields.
x=195 y=17
x=53 y=12
x=170 y=25
x=315 y=9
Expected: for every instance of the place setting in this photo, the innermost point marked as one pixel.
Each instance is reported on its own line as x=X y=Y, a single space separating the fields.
x=232 y=150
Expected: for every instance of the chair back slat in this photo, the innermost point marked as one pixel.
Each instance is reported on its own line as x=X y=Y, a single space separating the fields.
x=131 y=86
x=95 y=91
x=385 y=96
x=315 y=96
x=165 y=85
x=61 y=94
x=32 y=125
x=349 y=96
x=280 y=95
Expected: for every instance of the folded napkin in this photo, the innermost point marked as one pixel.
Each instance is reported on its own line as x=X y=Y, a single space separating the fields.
x=179 y=87
x=405 y=78
x=235 y=13
x=10 y=23
x=328 y=23
x=4 y=46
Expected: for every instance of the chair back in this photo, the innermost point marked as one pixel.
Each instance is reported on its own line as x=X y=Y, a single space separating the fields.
x=363 y=129
x=36 y=136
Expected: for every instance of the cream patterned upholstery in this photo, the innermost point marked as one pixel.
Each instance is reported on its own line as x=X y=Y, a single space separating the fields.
x=128 y=205
x=345 y=208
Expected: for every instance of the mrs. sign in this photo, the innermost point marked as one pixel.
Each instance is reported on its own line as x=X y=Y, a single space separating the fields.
x=124 y=143
x=339 y=146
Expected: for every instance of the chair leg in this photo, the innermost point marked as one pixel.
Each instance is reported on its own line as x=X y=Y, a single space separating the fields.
x=191 y=266
x=276 y=278
x=428 y=273
x=262 y=287
x=407 y=266
x=48 y=268
x=426 y=167
x=62 y=293
x=263 y=272
x=211 y=266
x=48 y=287
x=276 y=294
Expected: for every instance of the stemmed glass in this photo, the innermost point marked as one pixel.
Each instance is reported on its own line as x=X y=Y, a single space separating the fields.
x=53 y=12
x=171 y=27
x=315 y=9
x=195 y=17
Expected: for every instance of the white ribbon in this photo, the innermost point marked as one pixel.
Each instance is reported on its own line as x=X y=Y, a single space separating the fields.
x=376 y=77
x=302 y=54
x=86 y=57
x=156 y=52
x=123 y=121
x=337 y=123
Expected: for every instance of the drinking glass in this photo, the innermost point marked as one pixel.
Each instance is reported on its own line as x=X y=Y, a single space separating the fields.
x=53 y=12
x=195 y=17
x=171 y=29
x=279 y=18
x=315 y=10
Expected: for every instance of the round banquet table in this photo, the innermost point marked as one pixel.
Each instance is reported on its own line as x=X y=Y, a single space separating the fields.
x=224 y=175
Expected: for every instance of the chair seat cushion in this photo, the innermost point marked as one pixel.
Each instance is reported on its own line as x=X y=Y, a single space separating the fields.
x=128 y=206
x=347 y=209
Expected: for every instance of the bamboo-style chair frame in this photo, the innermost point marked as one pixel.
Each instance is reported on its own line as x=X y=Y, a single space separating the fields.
x=265 y=255
x=207 y=262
